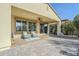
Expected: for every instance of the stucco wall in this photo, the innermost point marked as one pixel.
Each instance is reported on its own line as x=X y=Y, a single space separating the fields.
x=5 y=26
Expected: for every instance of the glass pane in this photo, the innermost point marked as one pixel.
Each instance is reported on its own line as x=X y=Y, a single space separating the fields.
x=42 y=28
x=32 y=26
x=24 y=26
x=18 y=25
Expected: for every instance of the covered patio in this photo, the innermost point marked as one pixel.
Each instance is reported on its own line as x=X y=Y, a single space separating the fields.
x=25 y=21
x=26 y=18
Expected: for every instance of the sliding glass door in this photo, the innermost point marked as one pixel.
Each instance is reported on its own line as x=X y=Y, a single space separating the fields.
x=43 y=28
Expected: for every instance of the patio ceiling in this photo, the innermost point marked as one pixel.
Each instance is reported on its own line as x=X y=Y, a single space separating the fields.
x=21 y=13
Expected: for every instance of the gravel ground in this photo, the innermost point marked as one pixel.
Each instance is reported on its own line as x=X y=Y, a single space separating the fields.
x=52 y=47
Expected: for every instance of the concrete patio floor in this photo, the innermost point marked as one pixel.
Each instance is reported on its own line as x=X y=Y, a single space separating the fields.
x=52 y=47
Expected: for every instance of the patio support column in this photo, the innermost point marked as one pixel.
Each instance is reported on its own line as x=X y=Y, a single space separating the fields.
x=48 y=29
x=59 y=28
x=38 y=28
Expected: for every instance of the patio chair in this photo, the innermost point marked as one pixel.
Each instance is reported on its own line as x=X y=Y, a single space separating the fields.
x=34 y=36
x=25 y=35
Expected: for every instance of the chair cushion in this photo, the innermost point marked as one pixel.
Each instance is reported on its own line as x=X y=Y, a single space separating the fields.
x=24 y=33
x=34 y=34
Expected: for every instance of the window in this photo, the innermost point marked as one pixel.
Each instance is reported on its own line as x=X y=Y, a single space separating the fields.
x=32 y=26
x=18 y=25
x=24 y=26
x=21 y=25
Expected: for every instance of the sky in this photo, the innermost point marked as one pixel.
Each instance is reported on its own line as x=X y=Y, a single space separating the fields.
x=66 y=10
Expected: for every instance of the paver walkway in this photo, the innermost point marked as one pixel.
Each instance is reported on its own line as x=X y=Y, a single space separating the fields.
x=51 y=47
x=35 y=48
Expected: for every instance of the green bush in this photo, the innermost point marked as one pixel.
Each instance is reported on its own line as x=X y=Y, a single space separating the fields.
x=68 y=28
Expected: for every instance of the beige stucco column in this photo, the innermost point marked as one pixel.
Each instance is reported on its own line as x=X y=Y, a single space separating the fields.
x=59 y=28
x=38 y=27
x=27 y=26
x=5 y=26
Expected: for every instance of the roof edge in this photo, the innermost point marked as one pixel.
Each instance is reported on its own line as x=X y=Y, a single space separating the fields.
x=54 y=11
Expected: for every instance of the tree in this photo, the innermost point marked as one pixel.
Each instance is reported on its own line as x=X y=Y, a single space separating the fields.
x=76 y=24
x=68 y=28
